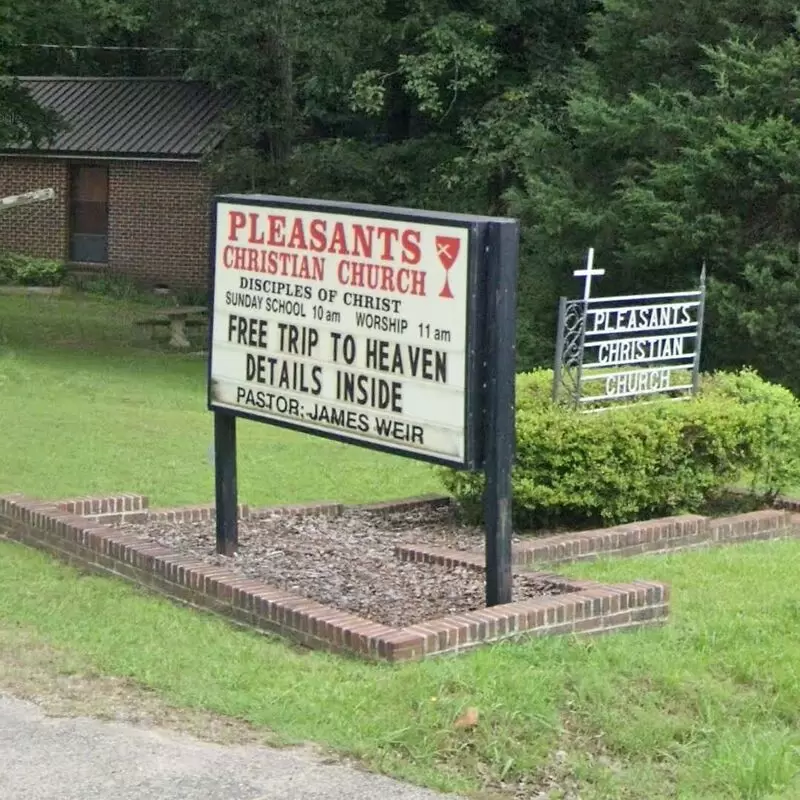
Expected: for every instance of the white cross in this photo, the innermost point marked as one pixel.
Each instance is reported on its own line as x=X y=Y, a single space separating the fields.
x=588 y=273
x=443 y=251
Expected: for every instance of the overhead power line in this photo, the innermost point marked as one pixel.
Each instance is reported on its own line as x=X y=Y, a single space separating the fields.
x=110 y=47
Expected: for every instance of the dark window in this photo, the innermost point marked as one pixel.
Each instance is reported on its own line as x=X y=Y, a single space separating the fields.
x=88 y=234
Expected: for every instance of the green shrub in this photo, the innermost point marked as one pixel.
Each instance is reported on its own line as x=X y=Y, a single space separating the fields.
x=774 y=418
x=19 y=270
x=115 y=287
x=643 y=460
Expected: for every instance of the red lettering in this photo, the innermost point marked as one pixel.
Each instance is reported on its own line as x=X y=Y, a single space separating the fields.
x=319 y=240
x=253 y=230
x=387 y=279
x=227 y=256
x=402 y=280
x=285 y=259
x=339 y=241
x=411 y=250
x=362 y=244
x=411 y=281
x=388 y=236
x=237 y=221
x=277 y=231
x=252 y=263
x=298 y=236
x=380 y=277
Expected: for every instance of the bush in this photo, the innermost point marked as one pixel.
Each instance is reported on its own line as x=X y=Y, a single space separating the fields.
x=644 y=460
x=774 y=419
x=19 y=270
x=115 y=287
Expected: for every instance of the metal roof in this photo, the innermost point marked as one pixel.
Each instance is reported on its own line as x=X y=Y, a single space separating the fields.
x=130 y=117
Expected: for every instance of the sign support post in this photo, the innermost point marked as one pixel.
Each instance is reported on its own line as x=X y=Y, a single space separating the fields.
x=389 y=328
x=558 y=365
x=225 y=480
x=501 y=264
x=701 y=312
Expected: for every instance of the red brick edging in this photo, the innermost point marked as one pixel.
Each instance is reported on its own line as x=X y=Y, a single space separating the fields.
x=653 y=536
x=74 y=530
x=135 y=508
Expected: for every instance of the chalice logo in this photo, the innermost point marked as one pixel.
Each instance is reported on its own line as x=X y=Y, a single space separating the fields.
x=447 y=248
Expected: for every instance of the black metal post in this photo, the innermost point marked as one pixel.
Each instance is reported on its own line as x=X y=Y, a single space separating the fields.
x=225 y=477
x=501 y=264
x=701 y=313
x=581 y=350
x=559 y=360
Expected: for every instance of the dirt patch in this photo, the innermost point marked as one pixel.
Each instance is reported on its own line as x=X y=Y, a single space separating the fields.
x=63 y=684
x=348 y=561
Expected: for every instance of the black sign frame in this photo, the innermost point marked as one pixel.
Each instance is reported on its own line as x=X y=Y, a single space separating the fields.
x=475 y=315
x=490 y=371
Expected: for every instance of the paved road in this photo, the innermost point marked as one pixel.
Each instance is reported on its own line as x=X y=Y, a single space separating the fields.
x=47 y=758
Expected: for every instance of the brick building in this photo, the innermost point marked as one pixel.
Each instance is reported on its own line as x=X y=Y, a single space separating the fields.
x=132 y=196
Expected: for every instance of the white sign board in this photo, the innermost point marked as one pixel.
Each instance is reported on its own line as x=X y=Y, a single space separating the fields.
x=347 y=321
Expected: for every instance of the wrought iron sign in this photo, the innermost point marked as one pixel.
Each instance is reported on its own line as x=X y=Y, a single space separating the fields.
x=614 y=350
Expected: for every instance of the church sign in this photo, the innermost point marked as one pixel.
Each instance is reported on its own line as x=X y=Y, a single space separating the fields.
x=613 y=350
x=343 y=323
x=381 y=327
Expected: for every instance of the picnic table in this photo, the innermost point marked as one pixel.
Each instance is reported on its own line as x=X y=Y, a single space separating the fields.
x=177 y=318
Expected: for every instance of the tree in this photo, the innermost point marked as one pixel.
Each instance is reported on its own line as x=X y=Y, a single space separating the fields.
x=662 y=165
x=380 y=101
x=27 y=25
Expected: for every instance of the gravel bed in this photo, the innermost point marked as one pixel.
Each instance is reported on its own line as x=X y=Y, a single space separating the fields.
x=348 y=561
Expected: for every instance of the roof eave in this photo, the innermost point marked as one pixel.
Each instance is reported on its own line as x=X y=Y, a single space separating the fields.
x=72 y=155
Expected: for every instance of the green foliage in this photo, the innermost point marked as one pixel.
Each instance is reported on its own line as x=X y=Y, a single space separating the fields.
x=118 y=287
x=643 y=460
x=774 y=425
x=454 y=55
x=678 y=145
x=126 y=289
x=663 y=134
x=21 y=119
x=24 y=23
x=19 y=270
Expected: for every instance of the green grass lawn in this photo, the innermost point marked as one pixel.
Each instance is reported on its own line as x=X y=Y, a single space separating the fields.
x=89 y=406
x=706 y=708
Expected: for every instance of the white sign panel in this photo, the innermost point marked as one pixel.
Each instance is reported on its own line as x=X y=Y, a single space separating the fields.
x=352 y=324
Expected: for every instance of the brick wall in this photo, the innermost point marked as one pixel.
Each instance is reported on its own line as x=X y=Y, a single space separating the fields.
x=159 y=222
x=158 y=218
x=38 y=229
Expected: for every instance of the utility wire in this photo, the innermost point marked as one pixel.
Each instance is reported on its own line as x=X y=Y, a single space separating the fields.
x=110 y=47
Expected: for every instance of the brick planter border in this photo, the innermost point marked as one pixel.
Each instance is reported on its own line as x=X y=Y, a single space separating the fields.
x=653 y=536
x=78 y=532
x=135 y=508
